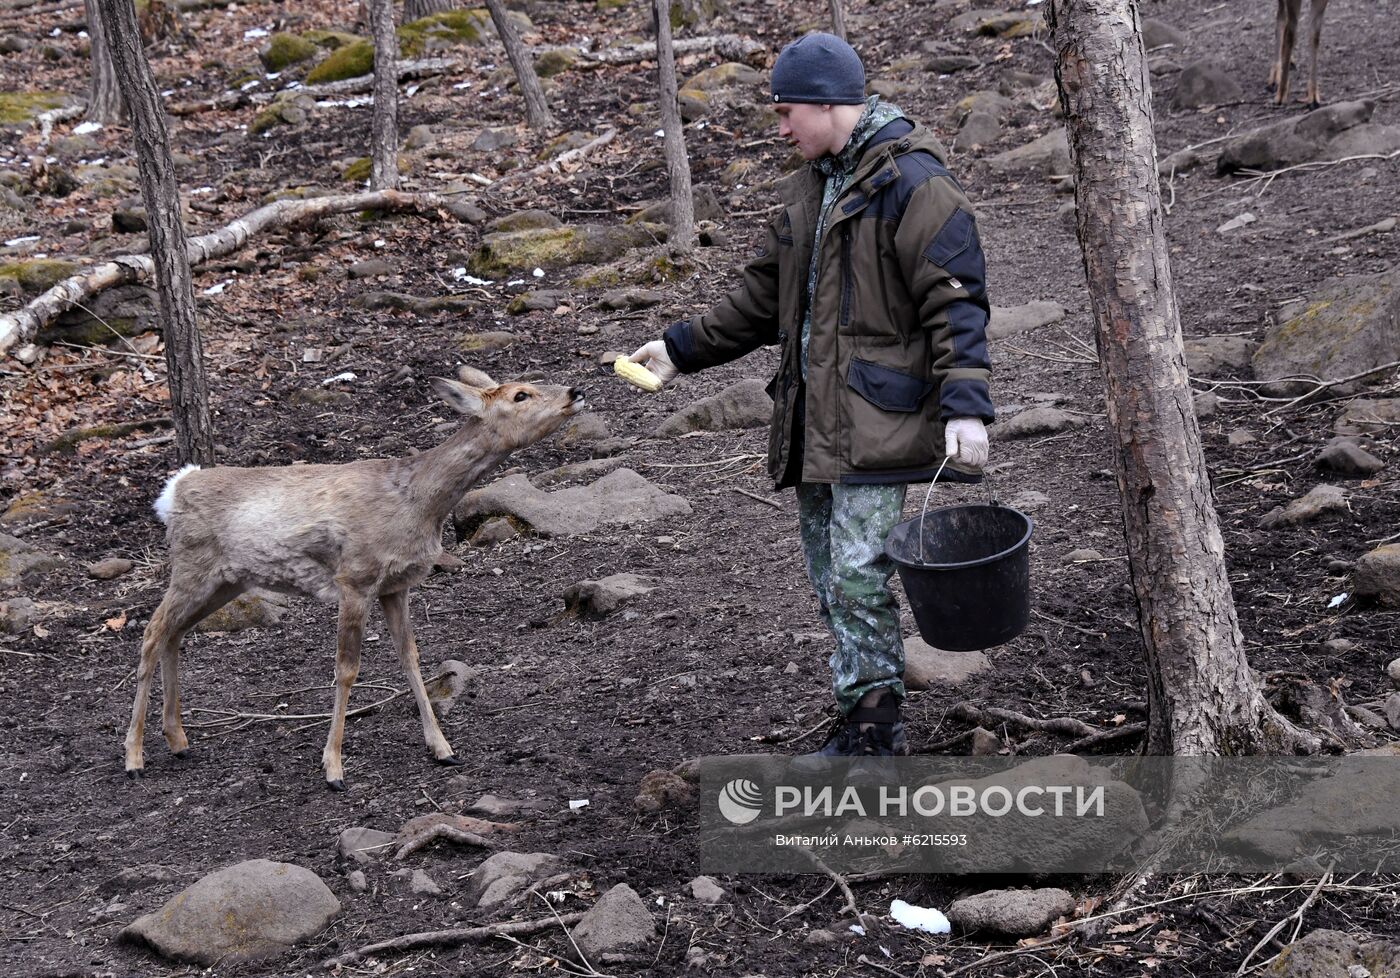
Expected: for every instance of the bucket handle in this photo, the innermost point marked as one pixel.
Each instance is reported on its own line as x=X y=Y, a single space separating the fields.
x=986 y=481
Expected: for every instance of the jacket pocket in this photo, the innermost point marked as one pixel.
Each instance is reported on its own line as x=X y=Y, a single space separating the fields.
x=889 y=390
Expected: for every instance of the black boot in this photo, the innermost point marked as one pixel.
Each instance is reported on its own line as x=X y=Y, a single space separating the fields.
x=868 y=731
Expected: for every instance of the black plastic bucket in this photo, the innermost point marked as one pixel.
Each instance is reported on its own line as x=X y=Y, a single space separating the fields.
x=966 y=572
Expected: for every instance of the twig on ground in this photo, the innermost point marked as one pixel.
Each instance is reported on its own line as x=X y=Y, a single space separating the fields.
x=993 y=715
x=839 y=880
x=1107 y=736
x=754 y=495
x=1296 y=916
x=556 y=164
x=453 y=937
x=1324 y=384
x=1268 y=177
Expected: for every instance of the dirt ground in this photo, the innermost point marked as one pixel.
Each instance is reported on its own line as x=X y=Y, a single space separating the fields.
x=566 y=709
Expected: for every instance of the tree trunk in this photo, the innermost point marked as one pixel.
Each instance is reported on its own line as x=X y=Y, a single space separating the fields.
x=104 y=95
x=1202 y=697
x=384 y=129
x=414 y=9
x=184 y=353
x=537 y=114
x=677 y=163
x=838 y=19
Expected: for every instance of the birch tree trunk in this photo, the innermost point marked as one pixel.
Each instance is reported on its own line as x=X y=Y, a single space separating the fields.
x=184 y=349
x=384 y=129
x=537 y=114
x=414 y=9
x=677 y=163
x=104 y=95
x=1203 y=699
x=838 y=19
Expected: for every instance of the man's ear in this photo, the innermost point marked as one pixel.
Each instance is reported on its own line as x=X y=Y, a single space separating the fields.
x=461 y=398
x=475 y=378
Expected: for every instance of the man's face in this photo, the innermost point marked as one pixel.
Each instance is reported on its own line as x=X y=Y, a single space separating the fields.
x=806 y=127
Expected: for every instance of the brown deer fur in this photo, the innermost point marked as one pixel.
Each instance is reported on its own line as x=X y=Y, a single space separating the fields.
x=1288 y=13
x=349 y=533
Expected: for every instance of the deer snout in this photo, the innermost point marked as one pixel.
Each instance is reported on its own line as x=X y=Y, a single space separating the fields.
x=576 y=397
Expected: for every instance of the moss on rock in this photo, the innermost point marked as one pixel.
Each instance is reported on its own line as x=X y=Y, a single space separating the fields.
x=555 y=61
x=449 y=28
x=507 y=252
x=348 y=61
x=283 y=50
x=330 y=40
x=16 y=107
x=37 y=275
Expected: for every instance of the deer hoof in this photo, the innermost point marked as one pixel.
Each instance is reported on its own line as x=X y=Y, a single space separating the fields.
x=135 y=774
x=180 y=755
x=336 y=785
x=451 y=760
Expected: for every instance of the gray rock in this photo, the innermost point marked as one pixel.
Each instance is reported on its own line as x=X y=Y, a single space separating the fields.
x=255 y=609
x=1344 y=328
x=1391 y=708
x=1392 y=672
x=419 y=137
x=979 y=129
x=525 y=221
x=357 y=881
x=1033 y=423
x=453 y=680
x=1346 y=457
x=16 y=614
x=1205 y=83
x=465 y=211
x=1377 y=575
x=994 y=104
x=371 y=268
x=617 y=924
x=129 y=218
x=1369 y=416
x=1067 y=214
x=109 y=568
x=494 y=806
x=13 y=44
x=493 y=532
x=490 y=140
x=1083 y=554
x=707 y=208
x=421 y=884
x=594 y=468
x=363 y=845
x=505 y=875
x=19 y=561
x=1366 y=139
x=248 y=912
x=1010 y=913
x=584 y=430
x=598 y=599
x=984 y=743
x=1158 y=34
x=1046 y=156
x=1216 y=356
x=948 y=64
x=926 y=667
x=1336 y=954
x=630 y=299
x=619 y=498
x=485 y=342
x=1241 y=436
x=1029 y=500
x=1010 y=320
x=1319 y=502
x=1205 y=405
x=706 y=890
x=134 y=879
x=1297 y=139
x=742 y=405
x=537 y=300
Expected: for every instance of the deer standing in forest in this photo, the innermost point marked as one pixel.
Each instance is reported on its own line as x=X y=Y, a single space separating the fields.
x=1288 y=13
x=346 y=533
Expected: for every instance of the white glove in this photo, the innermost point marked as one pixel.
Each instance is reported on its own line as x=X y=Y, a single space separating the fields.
x=965 y=439
x=653 y=356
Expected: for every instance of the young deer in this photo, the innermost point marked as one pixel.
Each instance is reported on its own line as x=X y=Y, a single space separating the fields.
x=1288 y=12
x=346 y=533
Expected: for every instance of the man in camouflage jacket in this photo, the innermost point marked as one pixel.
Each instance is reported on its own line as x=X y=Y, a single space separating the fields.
x=871 y=282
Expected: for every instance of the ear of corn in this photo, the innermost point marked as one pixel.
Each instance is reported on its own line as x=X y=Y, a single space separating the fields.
x=637 y=375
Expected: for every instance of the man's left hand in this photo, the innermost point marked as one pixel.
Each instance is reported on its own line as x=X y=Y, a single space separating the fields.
x=965 y=440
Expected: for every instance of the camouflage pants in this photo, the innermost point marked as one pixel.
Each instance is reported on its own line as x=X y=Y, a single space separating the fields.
x=843 y=538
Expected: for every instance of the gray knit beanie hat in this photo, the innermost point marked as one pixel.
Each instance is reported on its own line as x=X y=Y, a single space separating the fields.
x=819 y=68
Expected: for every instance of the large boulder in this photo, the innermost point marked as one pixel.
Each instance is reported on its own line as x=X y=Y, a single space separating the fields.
x=507 y=252
x=1344 y=328
x=1045 y=156
x=1299 y=139
x=926 y=667
x=1327 y=953
x=1010 y=913
x=620 y=498
x=1010 y=320
x=254 y=910
x=1205 y=83
x=1377 y=575
x=1214 y=356
x=742 y=405
x=619 y=923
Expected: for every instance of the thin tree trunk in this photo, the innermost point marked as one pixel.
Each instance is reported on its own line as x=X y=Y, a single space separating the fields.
x=184 y=353
x=1203 y=698
x=104 y=95
x=677 y=163
x=384 y=129
x=838 y=19
x=414 y=9
x=537 y=114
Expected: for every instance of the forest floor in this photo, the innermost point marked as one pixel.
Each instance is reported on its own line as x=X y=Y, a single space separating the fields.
x=729 y=651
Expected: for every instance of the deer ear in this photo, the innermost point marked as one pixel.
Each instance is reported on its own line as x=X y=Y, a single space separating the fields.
x=475 y=378
x=459 y=397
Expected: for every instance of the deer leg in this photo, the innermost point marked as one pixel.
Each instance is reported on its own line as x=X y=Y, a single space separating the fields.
x=401 y=629
x=350 y=632
x=1318 y=8
x=1288 y=31
x=182 y=606
x=1278 y=43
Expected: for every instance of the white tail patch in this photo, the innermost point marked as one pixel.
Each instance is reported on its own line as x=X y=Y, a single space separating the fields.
x=166 y=499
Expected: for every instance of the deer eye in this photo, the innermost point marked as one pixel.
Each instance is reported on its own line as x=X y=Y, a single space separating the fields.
x=522 y=396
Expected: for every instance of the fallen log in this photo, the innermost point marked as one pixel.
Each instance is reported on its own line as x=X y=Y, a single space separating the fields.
x=730 y=47
x=20 y=326
x=557 y=164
